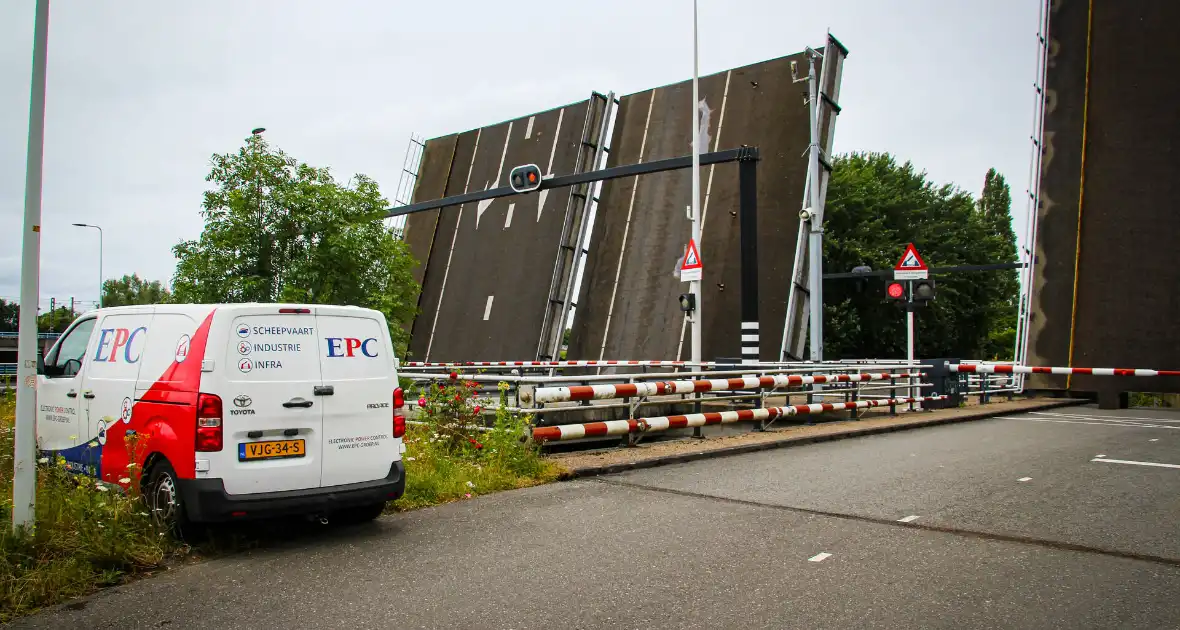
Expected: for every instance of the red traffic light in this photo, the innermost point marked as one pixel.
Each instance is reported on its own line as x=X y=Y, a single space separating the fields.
x=895 y=291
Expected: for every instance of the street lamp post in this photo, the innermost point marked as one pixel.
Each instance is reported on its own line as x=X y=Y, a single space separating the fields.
x=84 y=225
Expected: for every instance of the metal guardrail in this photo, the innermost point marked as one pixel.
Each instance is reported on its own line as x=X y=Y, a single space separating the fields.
x=40 y=335
x=7 y=369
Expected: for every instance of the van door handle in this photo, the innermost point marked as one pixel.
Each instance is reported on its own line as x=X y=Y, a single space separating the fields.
x=71 y=394
x=297 y=402
x=324 y=390
x=88 y=394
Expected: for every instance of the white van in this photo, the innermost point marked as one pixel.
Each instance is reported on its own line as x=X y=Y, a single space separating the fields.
x=231 y=411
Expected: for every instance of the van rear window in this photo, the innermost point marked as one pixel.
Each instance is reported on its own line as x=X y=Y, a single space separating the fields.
x=273 y=347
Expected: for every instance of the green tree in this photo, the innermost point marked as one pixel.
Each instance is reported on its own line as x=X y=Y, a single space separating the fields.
x=995 y=208
x=280 y=230
x=57 y=320
x=9 y=316
x=132 y=289
x=875 y=206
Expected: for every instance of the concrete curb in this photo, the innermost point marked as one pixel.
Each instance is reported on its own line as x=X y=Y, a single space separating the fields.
x=852 y=432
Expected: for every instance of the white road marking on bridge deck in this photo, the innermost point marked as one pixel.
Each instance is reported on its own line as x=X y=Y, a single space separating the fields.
x=1103 y=417
x=528 y=130
x=1154 y=440
x=819 y=557
x=909 y=519
x=487 y=309
x=508 y=218
x=1100 y=455
x=1135 y=425
x=1025 y=479
x=1134 y=463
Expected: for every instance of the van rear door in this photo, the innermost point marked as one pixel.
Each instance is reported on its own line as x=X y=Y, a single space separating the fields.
x=359 y=378
x=273 y=419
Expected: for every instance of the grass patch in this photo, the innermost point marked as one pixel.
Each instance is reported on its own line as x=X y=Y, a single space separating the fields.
x=87 y=536
x=450 y=458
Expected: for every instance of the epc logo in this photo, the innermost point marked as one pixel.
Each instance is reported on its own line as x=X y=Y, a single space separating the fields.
x=351 y=345
x=122 y=338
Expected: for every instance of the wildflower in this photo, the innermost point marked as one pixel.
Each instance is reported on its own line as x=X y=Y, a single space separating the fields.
x=410 y=459
x=43 y=460
x=467 y=496
x=470 y=485
x=421 y=402
x=454 y=376
x=125 y=480
x=100 y=487
x=131 y=466
x=477 y=408
x=458 y=397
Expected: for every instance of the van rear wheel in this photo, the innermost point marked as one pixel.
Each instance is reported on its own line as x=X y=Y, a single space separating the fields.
x=162 y=495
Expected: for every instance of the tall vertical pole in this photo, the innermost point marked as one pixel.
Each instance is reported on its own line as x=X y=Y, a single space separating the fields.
x=748 y=241
x=815 y=249
x=695 y=286
x=100 y=281
x=24 y=478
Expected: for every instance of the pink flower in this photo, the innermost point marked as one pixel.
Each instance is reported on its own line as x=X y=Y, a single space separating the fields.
x=421 y=402
x=477 y=409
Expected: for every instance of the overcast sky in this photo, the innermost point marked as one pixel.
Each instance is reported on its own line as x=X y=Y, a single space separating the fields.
x=141 y=93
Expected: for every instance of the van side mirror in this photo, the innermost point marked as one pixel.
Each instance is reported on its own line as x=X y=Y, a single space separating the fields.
x=40 y=363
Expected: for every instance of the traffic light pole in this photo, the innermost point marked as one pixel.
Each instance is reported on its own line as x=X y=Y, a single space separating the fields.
x=909 y=337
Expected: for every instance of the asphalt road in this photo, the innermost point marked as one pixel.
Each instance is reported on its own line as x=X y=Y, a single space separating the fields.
x=1016 y=527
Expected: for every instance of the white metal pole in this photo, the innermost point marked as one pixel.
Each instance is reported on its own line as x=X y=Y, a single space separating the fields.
x=815 y=248
x=695 y=285
x=99 y=266
x=909 y=343
x=24 y=478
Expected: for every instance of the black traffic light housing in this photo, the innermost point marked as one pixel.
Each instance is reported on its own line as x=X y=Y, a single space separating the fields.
x=923 y=290
x=688 y=302
x=526 y=178
x=895 y=291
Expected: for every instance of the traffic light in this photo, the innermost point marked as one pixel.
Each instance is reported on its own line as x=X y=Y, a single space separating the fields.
x=895 y=291
x=525 y=178
x=923 y=290
x=688 y=302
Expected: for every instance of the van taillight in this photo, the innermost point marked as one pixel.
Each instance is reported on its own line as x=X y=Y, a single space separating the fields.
x=300 y=311
x=399 y=420
x=208 y=423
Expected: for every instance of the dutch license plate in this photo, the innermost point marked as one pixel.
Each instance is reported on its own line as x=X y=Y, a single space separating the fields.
x=271 y=450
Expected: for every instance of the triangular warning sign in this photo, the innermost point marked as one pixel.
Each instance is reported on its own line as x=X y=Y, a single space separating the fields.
x=911 y=260
x=692 y=257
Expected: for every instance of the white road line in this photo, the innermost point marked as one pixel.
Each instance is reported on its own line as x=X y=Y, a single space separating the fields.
x=909 y=519
x=819 y=557
x=1134 y=463
x=1101 y=417
x=1154 y=440
x=1101 y=424
x=528 y=131
x=482 y=206
x=1100 y=455
x=508 y=218
x=543 y=195
x=610 y=311
x=487 y=309
x=1025 y=479
x=455 y=235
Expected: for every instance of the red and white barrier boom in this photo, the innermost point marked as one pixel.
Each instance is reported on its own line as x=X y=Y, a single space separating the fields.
x=1063 y=371
x=663 y=423
x=627 y=390
x=548 y=363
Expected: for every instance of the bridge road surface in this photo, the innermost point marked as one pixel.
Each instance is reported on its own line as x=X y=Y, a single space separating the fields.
x=1012 y=525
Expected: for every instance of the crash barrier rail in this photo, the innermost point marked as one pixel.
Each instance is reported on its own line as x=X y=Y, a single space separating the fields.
x=41 y=335
x=7 y=369
x=658 y=388
x=522 y=387
x=994 y=368
x=764 y=416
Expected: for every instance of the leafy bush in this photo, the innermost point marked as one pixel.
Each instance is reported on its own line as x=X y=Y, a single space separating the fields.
x=454 y=455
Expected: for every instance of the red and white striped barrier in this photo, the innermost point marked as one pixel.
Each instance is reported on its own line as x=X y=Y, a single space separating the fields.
x=549 y=363
x=1063 y=371
x=664 y=423
x=627 y=390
